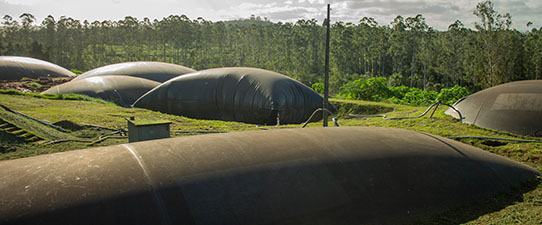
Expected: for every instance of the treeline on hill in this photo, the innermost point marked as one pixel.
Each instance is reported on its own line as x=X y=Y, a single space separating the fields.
x=407 y=52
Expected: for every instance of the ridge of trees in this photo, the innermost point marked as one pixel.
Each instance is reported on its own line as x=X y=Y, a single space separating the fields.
x=407 y=51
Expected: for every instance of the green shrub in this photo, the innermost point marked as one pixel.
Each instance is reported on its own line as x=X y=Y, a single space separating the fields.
x=76 y=71
x=376 y=89
x=34 y=85
x=451 y=95
x=372 y=89
x=318 y=87
x=399 y=92
x=420 y=97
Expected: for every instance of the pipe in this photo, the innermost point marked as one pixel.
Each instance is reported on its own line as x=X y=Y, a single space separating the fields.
x=334 y=118
x=495 y=138
x=338 y=175
x=37 y=120
x=436 y=105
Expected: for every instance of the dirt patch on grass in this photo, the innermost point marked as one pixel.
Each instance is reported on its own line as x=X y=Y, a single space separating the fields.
x=32 y=85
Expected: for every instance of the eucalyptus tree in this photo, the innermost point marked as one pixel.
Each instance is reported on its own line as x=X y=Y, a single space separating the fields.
x=491 y=28
x=368 y=43
x=418 y=30
x=451 y=53
x=399 y=46
x=533 y=53
x=128 y=34
x=10 y=28
x=26 y=32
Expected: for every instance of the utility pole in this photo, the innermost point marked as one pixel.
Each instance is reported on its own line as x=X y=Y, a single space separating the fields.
x=326 y=76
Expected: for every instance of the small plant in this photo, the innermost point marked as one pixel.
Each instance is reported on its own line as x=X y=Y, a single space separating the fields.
x=318 y=87
x=34 y=85
x=76 y=71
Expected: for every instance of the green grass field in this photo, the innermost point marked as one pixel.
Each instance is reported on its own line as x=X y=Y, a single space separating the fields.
x=508 y=208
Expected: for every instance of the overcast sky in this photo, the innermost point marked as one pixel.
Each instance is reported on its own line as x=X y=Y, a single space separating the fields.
x=438 y=13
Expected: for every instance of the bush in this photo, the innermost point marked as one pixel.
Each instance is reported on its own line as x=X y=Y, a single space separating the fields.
x=451 y=95
x=399 y=92
x=372 y=89
x=318 y=87
x=76 y=71
x=419 y=97
x=34 y=85
x=375 y=89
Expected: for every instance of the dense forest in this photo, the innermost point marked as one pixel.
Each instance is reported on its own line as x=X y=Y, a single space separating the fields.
x=407 y=51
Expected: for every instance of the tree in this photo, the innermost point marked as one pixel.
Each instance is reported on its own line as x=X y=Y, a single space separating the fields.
x=399 y=46
x=492 y=27
x=533 y=53
x=419 y=44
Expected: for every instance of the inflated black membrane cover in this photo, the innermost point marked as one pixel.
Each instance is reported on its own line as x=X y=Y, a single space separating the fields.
x=240 y=94
x=156 y=71
x=17 y=67
x=515 y=107
x=334 y=175
x=120 y=89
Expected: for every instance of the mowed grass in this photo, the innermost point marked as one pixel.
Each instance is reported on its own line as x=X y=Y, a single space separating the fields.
x=96 y=113
x=523 y=206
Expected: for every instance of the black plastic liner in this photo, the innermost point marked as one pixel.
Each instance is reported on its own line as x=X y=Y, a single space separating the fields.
x=16 y=68
x=156 y=71
x=240 y=94
x=123 y=90
x=515 y=107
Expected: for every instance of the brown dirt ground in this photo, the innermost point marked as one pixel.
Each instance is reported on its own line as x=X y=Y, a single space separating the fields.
x=29 y=85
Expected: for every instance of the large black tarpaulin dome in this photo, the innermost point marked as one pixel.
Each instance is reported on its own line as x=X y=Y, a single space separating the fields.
x=335 y=175
x=514 y=107
x=156 y=71
x=235 y=94
x=121 y=89
x=17 y=67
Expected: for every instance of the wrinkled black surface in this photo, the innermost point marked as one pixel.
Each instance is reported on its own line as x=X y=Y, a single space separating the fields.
x=156 y=71
x=515 y=107
x=120 y=89
x=16 y=67
x=334 y=175
x=235 y=94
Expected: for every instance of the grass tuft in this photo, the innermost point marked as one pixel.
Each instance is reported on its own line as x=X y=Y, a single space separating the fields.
x=69 y=96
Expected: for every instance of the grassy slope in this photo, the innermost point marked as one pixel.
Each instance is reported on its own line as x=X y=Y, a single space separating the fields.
x=96 y=113
x=33 y=126
x=506 y=209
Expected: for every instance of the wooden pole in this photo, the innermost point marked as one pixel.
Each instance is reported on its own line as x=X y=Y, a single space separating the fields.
x=326 y=77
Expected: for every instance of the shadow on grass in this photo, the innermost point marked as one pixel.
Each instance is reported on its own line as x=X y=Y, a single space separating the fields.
x=344 y=109
x=472 y=212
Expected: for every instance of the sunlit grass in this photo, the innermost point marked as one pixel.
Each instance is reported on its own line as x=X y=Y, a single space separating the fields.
x=507 y=209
